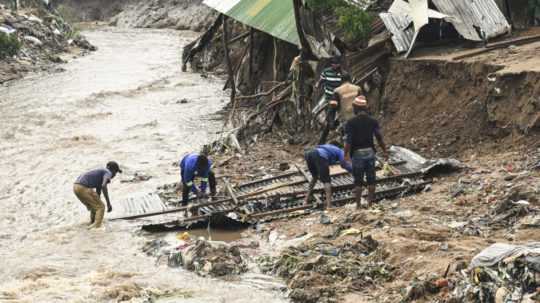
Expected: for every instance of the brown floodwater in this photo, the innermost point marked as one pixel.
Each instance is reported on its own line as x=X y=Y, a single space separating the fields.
x=123 y=103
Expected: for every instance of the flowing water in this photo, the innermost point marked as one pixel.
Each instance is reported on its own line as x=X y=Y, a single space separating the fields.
x=120 y=103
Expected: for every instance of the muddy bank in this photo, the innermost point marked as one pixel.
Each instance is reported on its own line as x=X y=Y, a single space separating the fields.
x=36 y=39
x=445 y=108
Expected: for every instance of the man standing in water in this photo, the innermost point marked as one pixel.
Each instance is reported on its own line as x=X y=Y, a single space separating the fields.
x=359 y=133
x=195 y=165
x=318 y=161
x=88 y=188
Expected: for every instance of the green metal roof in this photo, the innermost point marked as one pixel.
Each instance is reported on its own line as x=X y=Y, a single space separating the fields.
x=275 y=17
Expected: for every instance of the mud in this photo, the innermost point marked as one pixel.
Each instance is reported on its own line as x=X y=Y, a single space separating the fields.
x=447 y=108
x=119 y=103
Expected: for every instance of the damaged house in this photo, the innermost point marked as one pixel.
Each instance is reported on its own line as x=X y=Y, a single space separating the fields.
x=478 y=20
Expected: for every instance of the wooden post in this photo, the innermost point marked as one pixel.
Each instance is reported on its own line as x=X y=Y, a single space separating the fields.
x=301 y=73
x=229 y=66
x=251 y=44
x=275 y=63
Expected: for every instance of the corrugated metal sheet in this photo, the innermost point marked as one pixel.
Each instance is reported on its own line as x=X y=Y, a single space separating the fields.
x=400 y=27
x=465 y=15
x=275 y=17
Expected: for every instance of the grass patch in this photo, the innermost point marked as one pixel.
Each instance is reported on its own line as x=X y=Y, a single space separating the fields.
x=9 y=45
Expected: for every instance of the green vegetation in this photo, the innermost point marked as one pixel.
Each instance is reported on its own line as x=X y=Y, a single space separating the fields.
x=9 y=45
x=355 y=22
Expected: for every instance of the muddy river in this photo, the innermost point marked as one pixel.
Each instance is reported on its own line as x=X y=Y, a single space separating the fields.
x=120 y=103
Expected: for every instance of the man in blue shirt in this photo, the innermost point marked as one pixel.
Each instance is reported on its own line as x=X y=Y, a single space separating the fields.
x=318 y=161
x=88 y=188
x=195 y=165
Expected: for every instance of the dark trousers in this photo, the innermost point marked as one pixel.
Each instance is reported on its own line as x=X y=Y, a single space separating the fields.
x=318 y=166
x=186 y=188
x=330 y=124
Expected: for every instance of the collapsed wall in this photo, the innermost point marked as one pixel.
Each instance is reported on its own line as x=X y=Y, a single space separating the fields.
x=445 y=108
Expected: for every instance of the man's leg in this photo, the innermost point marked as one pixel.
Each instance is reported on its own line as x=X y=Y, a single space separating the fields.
x=324 y=173
x=328 y=194
x=212 y=183
x=310 y=157
x=358 y=196
x=78 y=190
x=185 y=194
x=370 y=179
x=358 y=173
x=330 y=117
x=98 y=207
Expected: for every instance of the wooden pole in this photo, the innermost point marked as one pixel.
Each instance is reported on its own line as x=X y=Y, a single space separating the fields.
x=229 y=66
x=301 y=73
x=251 y=47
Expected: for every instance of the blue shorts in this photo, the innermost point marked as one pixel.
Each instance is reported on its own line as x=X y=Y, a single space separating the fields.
x=363 y=163
x=318 y=166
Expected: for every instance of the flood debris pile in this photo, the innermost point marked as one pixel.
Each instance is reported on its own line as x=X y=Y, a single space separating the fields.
x=206 y=258
x=37 y=37
x=502 y=273
x=213 y=259
x=319 y=271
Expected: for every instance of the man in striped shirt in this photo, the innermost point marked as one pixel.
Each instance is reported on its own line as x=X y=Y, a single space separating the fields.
x=331 y=78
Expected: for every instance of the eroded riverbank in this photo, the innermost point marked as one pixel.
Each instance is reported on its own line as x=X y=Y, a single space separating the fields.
x=123 y=103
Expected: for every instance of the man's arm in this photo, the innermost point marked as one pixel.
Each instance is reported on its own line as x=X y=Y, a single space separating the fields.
x=106 y=194
x=106 y=180
x=346 y=164
x=348 y=141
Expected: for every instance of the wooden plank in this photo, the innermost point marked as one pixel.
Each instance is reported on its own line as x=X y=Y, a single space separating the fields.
x=230 y=191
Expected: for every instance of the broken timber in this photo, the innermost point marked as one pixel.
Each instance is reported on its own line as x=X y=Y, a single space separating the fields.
x=270 y=199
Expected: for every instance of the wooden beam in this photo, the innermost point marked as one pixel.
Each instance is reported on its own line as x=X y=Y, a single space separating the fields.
x=230 y=191
x=251 y=52
x=229 y=65
x=239 y=37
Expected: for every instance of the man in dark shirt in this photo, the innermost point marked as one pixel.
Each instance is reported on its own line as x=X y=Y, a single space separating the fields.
x=359 y=132
x=97 y=179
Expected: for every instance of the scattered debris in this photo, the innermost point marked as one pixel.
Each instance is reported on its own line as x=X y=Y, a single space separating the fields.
x=501 y=273
x=320 y=272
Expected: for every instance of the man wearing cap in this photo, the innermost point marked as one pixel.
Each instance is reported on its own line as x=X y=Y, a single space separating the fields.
x=88 y=188
x=318 y=161
x=359 y=133
x=344 y=96
x=195 y=165
x=331 y=79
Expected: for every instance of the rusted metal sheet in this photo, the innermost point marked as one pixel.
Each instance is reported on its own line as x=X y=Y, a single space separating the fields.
x=274 y=17
x=474 y=20
x=401 y=28
x=465 y=15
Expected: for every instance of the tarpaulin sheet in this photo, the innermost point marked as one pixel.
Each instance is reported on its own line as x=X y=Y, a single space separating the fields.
x=274 y=17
